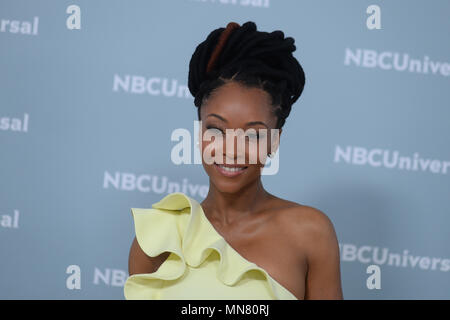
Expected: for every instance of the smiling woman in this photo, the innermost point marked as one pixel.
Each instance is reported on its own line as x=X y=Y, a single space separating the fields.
x=240 y=242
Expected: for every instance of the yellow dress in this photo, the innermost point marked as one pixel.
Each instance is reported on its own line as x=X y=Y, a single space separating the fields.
x=201 y=265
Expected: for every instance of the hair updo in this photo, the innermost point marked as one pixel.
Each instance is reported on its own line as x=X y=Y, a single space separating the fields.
x=252 y=58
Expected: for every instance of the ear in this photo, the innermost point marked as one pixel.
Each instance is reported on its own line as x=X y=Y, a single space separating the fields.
x=275 y=140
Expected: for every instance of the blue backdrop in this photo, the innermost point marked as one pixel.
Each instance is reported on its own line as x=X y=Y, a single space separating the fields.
x=91 y=91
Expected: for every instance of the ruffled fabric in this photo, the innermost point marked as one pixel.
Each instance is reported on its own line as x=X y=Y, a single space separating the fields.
x=190 y=238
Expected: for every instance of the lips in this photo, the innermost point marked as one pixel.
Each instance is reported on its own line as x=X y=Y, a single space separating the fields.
x=230 y=170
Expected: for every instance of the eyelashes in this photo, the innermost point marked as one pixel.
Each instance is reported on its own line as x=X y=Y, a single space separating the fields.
x=251 y=136
x=213 y=127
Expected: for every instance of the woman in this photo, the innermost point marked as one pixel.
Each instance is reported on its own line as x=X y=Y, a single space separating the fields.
x=241 y=242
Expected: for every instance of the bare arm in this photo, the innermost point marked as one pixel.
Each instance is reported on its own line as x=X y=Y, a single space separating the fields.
x=140 y=262
x=323 y=279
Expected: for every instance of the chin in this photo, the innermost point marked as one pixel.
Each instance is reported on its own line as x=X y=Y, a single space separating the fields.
x=225 y=187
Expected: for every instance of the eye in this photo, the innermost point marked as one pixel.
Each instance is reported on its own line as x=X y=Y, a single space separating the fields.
x=211 y=127
x=252 y=136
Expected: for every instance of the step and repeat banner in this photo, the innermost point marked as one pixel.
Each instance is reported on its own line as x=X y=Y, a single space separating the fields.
x=91 y=93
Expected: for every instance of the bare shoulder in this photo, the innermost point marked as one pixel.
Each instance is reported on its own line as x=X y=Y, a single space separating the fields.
x=312 y=237
x=305 y=224
x=295 y=214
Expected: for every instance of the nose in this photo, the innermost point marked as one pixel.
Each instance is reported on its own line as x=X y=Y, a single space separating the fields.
x=234 y=150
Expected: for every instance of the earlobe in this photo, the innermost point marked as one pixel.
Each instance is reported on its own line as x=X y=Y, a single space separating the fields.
x=276 y=133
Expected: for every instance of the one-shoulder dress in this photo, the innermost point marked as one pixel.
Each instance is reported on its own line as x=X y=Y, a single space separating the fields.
x=201 y=264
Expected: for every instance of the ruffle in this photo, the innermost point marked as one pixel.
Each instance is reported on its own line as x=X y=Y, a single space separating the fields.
x=190 y=239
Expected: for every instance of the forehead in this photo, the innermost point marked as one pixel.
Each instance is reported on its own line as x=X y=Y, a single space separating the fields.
x=239 y=105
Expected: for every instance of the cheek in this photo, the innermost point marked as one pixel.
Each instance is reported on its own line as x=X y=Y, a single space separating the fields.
x=254 y=153
x=208 y=152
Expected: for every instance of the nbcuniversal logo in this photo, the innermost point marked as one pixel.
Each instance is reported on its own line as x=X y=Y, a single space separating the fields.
x=390 y=159
x=388 y=60
x=154 y=86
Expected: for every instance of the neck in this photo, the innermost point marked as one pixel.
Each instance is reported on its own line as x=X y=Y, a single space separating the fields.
x=228 y=208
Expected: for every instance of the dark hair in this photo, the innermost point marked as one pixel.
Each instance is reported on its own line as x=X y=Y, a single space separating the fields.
x=252 y=58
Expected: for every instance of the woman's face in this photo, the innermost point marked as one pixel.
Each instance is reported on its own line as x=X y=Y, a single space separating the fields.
x=233 y=107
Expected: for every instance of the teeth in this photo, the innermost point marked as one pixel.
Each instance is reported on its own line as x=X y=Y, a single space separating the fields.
x=230 y=169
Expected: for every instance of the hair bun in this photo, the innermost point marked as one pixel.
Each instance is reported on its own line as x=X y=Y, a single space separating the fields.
x=221 y=42
x=246 y=51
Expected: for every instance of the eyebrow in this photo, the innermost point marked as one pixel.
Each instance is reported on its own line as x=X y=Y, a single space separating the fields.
x=248 y=123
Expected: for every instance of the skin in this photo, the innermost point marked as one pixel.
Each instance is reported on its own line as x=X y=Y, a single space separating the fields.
x=296 y=244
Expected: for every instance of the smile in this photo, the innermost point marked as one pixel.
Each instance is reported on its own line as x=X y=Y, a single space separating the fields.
x=229 y=170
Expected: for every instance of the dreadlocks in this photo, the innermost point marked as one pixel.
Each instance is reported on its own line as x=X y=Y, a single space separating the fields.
x=252 y=58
